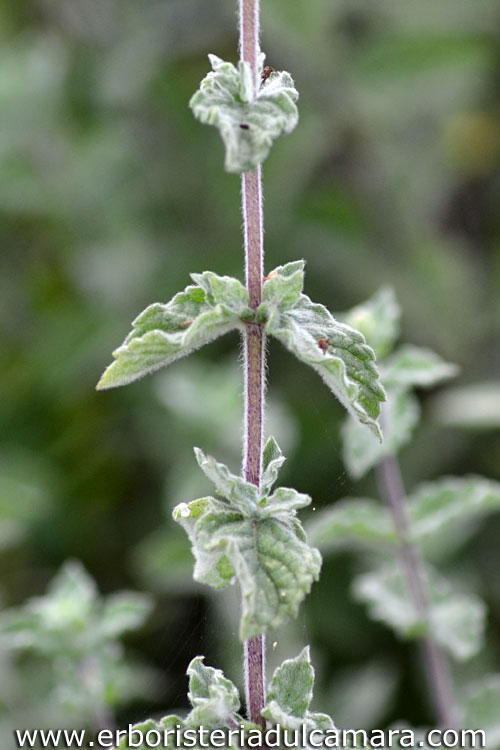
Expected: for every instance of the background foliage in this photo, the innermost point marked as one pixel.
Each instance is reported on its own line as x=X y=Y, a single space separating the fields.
x=111 y=193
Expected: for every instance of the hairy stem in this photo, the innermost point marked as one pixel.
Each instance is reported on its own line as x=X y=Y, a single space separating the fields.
x=436 y=665
x=254 y=345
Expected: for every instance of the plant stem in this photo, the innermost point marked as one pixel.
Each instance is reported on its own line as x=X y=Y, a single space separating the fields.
x=437 y=668
x=254 y=345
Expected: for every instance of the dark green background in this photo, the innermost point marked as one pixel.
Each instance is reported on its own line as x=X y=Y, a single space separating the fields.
x=111 y=193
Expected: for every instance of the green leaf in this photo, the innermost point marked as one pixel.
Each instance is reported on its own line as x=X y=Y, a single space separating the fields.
x=336 y=351
x=248 y=123
x=358 y=521
x=291 y=690
x=378 y=319
x=283 y=287
x=158 y=727
x=361 y=449
x=123 y=611
x=451 y=500
x=213 y=697
x=242 y=495
x=263 y=547
x=290 y=694
x=163 y=333
x=481 y=709
x=272 y=461
x=456 y=620
x=414 y=366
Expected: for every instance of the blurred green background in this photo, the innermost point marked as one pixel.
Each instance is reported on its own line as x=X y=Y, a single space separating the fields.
x=111 y=193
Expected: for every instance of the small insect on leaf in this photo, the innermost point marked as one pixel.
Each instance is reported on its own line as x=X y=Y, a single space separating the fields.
x=266 y=73
x=186 y=323
x=270 y=275
x=244 y=126
x=323 y=345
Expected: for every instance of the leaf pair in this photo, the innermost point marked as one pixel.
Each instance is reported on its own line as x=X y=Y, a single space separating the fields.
x=439 y=514
x=254 y=538
x=218 y=304
x=215 y=705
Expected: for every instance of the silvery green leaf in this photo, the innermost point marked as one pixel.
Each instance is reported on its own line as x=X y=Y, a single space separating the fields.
x=269 y=557
x=283 y=500
x=123 y=611
x=282 y=288
x=378 y=319
x=242 y=495
x=336 y=351
x=456 y=620
x=451 y=500
x=159 y=728
x=213 y=697
x=360 y=448
x=165 y=332
x=248 y=123
x=358 y=521
x=415 y=366
x=290 y=694
x=272 y=461
x=481 y=709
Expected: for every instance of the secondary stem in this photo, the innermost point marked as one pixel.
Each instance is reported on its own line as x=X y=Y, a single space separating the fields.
x=254 y=345
x=437 y=669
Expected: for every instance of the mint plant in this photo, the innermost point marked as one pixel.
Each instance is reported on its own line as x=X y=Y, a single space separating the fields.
x=250 y=533
x=71 y=639
x=422 y=527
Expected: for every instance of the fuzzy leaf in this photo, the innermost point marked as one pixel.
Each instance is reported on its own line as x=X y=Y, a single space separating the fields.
x=163 y=333
x=336 y=351
x=213 y=697
x=356 y=521
x=361 y=449
x=263 y=547
x=436 y=505
x=414 y=366
x=242 y=495
x=126 y=610
x=481 y=709
x=456 y=620
x=290 y=694
x=248 y=124
x=272 y=461
x=283 y=287
x=378 y=319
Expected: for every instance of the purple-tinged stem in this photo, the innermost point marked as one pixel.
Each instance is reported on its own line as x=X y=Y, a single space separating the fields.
x=254 y=345
x=437 y=668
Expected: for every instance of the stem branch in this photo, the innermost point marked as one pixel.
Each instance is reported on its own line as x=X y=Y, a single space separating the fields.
x=437 y=668
x=254 y=345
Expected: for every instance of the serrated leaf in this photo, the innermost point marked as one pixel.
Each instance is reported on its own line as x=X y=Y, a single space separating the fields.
x=290 y=694
x=456 y=620
x=481 y=709
x=164 y=332
x=248 y=123
x=272 y=461
x=412 y=366
x=358 y=521
x=378 y=319
x=263 y=547
x=435 y=505
x=213 y=697
x=336 y=351
x=123 y=611
x=360 y=448
x=243 y=495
